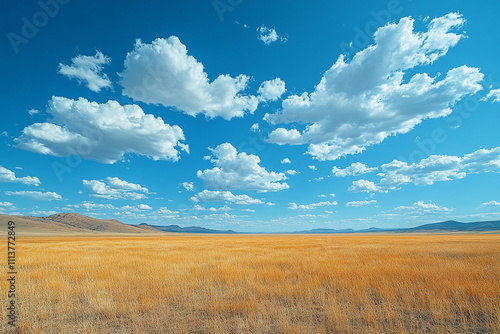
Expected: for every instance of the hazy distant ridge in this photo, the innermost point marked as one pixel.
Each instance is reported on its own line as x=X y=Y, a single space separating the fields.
x=71 y=223
x=447 y=226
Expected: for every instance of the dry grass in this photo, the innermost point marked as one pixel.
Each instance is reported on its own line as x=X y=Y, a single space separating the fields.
x=258 y=284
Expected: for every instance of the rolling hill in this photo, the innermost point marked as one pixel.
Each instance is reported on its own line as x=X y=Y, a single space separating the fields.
x=70 y=223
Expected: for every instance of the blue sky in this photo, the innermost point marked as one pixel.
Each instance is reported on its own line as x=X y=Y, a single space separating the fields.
x=251 y=115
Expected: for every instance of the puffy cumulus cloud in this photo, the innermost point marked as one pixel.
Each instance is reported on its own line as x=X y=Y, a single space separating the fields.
x=493 y=95
x=423 y=208
x=88 y=69
x=439 y=168
x=163 y=73
x=119 y=184
x=312 y=167
x=285 y=161
x=7 y=175
x=239 y=171
x=225 y=196
x=255 y=127
x=363 y=186
x=359 y=103
x=101 y=132
x=189 y=186
x=36 y=195
x=312 y=206
x=115 y=188
x=269 y=35
x=292 y=172
x=356 y=168
x=491 y=203
x=271 y=90
x=357 y=204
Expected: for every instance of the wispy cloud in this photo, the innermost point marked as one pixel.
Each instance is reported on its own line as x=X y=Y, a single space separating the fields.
x=88 y=69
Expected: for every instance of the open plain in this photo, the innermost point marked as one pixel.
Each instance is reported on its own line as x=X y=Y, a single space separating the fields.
x=258 y=284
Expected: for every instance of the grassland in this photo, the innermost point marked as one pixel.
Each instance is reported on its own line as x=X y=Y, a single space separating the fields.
x=258 y=284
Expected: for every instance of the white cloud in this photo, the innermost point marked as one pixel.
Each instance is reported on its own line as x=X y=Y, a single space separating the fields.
x=312 y=206
x=356 y=168
x=198 y=207
x=226 y=196
x=312 y=167
x=269 y=35
x=101 y=132
x=491 y=203
x=189 y=186
x=435 y=168
x=423 y=208
x=359 y=103
x=88 y=69
x=493 y=94
x=255 y=127
x=36 y=195
x=439 y=168
x=271 y=90
x=88 y=205
x=33 y=112
x=248 y=210
x=285 y=161
x=137 y=208
x=43 y=213
x=7 y=175
x=166 y=212
x=114 y=188
x=6 y=206
x=363 y=186
x=163 y=73
x=357 y=204
x=292 y=172
x=239 y=171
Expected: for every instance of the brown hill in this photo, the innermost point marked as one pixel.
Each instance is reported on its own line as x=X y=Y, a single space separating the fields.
x=70 y=223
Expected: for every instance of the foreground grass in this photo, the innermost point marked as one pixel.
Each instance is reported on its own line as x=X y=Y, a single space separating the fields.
x=258 y=284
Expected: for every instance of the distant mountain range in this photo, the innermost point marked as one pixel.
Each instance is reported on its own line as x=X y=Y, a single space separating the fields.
x=190 y=229
x=447 y=226
x=73 y=223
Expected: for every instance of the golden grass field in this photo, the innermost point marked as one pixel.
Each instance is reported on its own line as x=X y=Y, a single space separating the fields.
x=258 y=284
